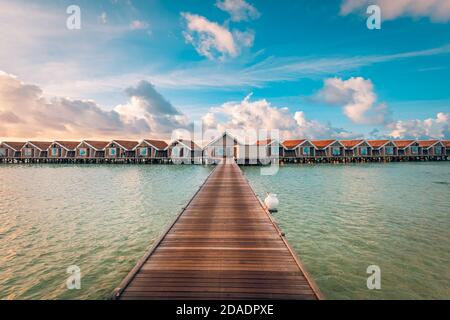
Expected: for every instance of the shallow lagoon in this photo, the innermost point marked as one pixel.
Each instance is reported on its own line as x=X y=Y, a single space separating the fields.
x=342 y=218
x=339 y=218
x=100 y=218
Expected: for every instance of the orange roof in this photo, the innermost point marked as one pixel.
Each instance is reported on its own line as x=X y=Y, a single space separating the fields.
x=263 y=142
x=427 y=143
x=158 y=144
x=128 y=145
x=41 y=144
x=351 y=143
x=446 y=143
x=14 y=145
x=377 y=143
x=403 y=143
x=99 y=145
x=322 y=143
x=69 y=145
x=291 y=144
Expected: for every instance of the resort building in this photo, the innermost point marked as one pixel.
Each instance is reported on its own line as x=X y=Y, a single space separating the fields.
x=224 y=146
x=328 y=148
x=184 y=151
x=446 y=144
x=152 y=149
x=432 y=148
x=407 y=147
x=35 y=149
x=91 y=149
x=228 y=146
x=293 y=149
x=63 y=149
x=121 y=149
x=383 y=148
x=11 y=149
x=356 y=148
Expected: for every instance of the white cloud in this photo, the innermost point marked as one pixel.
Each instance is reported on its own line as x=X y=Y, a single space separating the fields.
x=139 y=25
x=213 y=40
x=239 y=10
x=25 y=113
x=438 y=128
x=357 y=97
x=148 y=104
x=244 y=38
x=249 y=115
x=437 y=10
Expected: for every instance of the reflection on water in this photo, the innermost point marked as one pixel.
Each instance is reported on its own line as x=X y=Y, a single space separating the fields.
x=100 y=218
x=342 y=218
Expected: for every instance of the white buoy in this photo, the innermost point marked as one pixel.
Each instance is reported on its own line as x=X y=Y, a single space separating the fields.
x=271 y=202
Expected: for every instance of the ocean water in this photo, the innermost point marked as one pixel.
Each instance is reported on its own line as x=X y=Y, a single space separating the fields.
x=340 y=219
x=99 y=218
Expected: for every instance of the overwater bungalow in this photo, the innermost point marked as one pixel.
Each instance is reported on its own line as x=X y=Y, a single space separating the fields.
x=407 y=147
x=291 y=148
x=245 y=152
x=431 y=148
x=383 y=148
x=152 y=149
x=295 y=149
x=121 y=149
x=328 y=148
x=356 y=148
x=184 y=151
x=91 y=149
x=225 y=145
x=63 y=149
x=35 y=149
x=11 y=149
x=446 y=144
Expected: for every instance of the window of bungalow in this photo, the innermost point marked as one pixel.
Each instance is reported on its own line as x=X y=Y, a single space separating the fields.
x=437 y=150
x=390 y=150
x=336 y=151
x=143 y=152
x=54 y=152
x=83 y=152
x=363 y=151
x=2 y=152
x=27 y=152
x=414 y=149
x=306 y=151
x=176 y=152
x=112 y=152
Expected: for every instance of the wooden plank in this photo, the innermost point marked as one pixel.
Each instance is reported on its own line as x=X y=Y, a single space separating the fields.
x=223 y=245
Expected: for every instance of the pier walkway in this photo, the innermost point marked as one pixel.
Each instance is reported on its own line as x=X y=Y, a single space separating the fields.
x=223 y=245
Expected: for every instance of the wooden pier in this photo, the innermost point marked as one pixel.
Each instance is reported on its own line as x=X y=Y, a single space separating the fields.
x=223 y=245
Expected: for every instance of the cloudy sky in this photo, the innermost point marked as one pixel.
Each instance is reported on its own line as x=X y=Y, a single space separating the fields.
x=144 y=68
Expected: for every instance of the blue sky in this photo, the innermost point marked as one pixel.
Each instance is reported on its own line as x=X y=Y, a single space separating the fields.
x=205 y=57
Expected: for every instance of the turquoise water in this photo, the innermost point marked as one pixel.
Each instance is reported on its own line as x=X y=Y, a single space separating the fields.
x=342 y=218
x=339 y=218
x=99 y=218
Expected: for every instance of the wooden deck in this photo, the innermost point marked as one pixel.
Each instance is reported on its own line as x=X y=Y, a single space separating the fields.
x=224 y=245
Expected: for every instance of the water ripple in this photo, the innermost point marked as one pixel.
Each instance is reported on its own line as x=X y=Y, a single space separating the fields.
x=341 y=219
